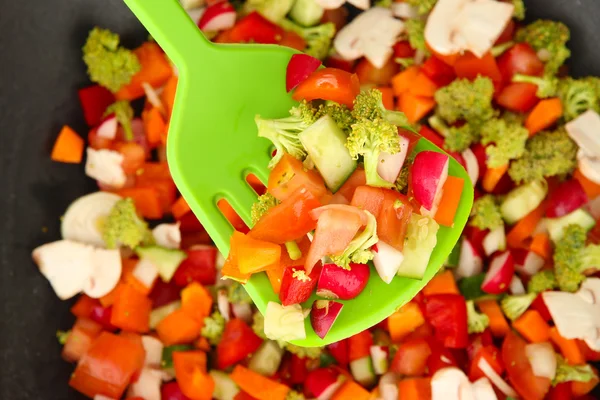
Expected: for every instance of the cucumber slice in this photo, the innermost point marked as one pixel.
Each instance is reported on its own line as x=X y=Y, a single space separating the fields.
x=165 y=260
x=225 y=387
x=556 y=226
x=160 y=313
x=325 y=143
x=306 y=12
x=267 y=358
x=523 y=200
x=421 y=238
x=362 y=371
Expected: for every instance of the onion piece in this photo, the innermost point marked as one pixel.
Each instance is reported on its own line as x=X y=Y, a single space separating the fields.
x=153 y=97
x=542 y=359
x=516 y=286
x=496 y=379
x=223 y=303
x=146 y=272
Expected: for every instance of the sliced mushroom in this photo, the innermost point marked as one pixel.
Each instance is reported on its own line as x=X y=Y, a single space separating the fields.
x=106 y=167
x=167 y=235
x=574 y=316
x=585 y=131
x=105 y=272
x=589 y=167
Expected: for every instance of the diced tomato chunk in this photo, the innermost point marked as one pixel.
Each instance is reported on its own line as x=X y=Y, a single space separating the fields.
x=237 y=342
x=519 y=97
x=393 y=219
x=411 y=358
x=289 y=175
x=520 y=59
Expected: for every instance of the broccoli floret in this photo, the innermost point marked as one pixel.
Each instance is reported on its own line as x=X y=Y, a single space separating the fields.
x=124 y=227
x=508 y=140
x=542 y=281
x=369 y=138
x=124 y=114
x=485 y=213
x=293 y=395
x=108 y=64
x=590 y=257
x=415 y=29
x=369 y=105
x=513 y=117
x=283 y=132
x=466 y=100
x=548 y=38
x=423 y=6
x=566 y=372
x=567 y=258
x=273 y=10
x=578 y=96
x=237 y=294
x=318 y=38
x=519 y=12
x=359 y=249
x=514 y=306
x=304 y=352
x=402 y=180
x=456 y=138
x=263 y=204
x=62 y=336
x=476 y=322
x=258 y=325
x=547 y=86
x=213 y=328
x=546 y=154
x=340 y=114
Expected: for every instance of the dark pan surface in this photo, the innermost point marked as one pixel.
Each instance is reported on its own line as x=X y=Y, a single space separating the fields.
x=40 y=71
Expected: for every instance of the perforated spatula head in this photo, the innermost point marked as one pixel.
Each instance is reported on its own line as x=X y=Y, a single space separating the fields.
x=213 y=145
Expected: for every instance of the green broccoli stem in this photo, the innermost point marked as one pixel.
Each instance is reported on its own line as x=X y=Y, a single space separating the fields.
x=371 y=159
x=293 y=250
x=498 y=50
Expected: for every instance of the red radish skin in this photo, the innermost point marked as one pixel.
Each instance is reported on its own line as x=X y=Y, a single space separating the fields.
x=428 y=175
x=297 y=285
x=502 y=268
x=343 y=284
x=218 y=17
x=469 y=262
x=299 y=68
x=494 y=241
x=323 y=382
x=566 y=198
x=527 y=262
x=108 y=127
x=323 y=316
x=340 y=351
x=389 y=165
x=471 y=165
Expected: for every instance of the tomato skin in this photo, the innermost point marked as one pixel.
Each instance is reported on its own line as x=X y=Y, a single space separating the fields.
x=519 y=371
x=357 y=179
x=470 y=66
x=359 y=345
x=519 y=97
x=493 y=357
x=329 y=84
x=237 y=342
x=447 y=313
x=520 y=59
x=340 y=351
x=402 y=49
x=411 y=358
x=368 y=198
x=440 y=357
x=368 y=73
x=289 y=175
x=392 y=221
x=256 y=28
x=507 y=34
x=438 y=71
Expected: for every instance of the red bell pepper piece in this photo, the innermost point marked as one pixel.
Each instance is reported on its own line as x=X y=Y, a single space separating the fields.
x=520 y=59
x=470 y=66
x=403 y=49
x=440 y=357
x=190 y=371
x=438 y=71
x=562 y=391
x=255 y=28
x=297 y=285
x=329 y=84
x=478 y=341
x=540 y=306
x=237 y=342
x=298 y=370
x=519 y=97
x=199 y=266
x=94 y=101
x=359 y=345
x=172 y=391
x=340 y=351
x=84 y=306
x=298 y=69
x=491 y=354
x=447 y=313
x=411 y=358
x=164 y=293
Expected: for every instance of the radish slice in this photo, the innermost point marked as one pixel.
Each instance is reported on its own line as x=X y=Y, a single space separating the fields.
x=469 y=262
x=568 y=197
x=387 y=261
x=338 y=283
x=496 y=379
x=527 y=262
x=428 y=175
x=379 y=358
x=498 y=277
x=108 y=128
x=494 y=241
x=323 y=315
x=516 y=286
x=472 y=163
x=223 y=303
x=389 y=165
x=218 y=17
x=146 y=272
x=322 y=383
x=542 y=359
x=242 y=311
x=298 y=69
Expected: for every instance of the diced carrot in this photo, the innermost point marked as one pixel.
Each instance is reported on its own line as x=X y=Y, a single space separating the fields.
x=543 y=115
x=254 y=255
x=422 y=86
x=180 y=208
x=592 y=189
x=275 y=273
x=146 y=201
x=359 y=345
x=492 y=176
x=408 y=318
x=131 y=310
x=541 y=245
x=498 y=324
x=402 y=81
x=156 y=70
x=196 y=301
x=84 y=306
x=580 y=389
x=178 y=328
x=415 y=388
x=443 y=283
x=568 y=348
x=415 y=107
x=230 y=268
x=154 y=126
x=168 y=94
x=450 y=200
x=351 y=390
x=68 y=147
x=234 y=219
x=525 y=227
x=190 y=371
x=202 y=344
x=357 y=179
x=257 y=385
x=109 y=298
x=128 y=266
x=532 y=327
x=387 y=96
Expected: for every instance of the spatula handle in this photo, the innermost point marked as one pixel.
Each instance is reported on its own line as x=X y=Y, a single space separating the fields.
x=172 y=28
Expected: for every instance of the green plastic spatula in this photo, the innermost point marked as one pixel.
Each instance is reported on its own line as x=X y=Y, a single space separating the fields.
x=213 y=145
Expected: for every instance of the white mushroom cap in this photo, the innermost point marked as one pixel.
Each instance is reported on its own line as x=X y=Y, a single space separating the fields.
x=106 y=167
x=105 y=272
x=167 y=235
x=153 y=348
